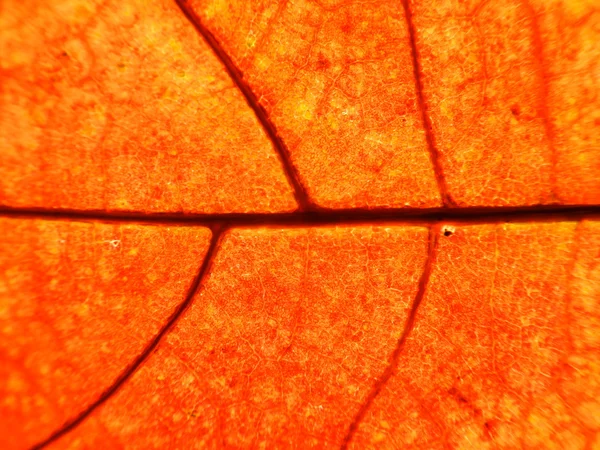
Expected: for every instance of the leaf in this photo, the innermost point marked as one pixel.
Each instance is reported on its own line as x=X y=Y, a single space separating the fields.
x=299 y=225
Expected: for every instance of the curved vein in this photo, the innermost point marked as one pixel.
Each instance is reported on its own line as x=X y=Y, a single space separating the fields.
x=237 y=77
x=145 y=354
x=434 y=153
x=410 y=323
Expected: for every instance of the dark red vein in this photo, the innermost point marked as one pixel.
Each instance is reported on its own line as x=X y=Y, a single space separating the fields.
x=434 y=153
x=543 y=108
x=410 y=323
x=424 y=216
x=145 y=354
x=300 y=194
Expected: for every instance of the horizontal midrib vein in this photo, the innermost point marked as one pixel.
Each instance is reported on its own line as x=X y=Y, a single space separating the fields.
x=322 y=217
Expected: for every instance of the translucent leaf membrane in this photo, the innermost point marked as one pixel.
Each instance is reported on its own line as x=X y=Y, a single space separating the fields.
x=506 y=349
x=338 y=82
x=514 y=98
x=295 y=328
x=510 y=91
x=571 y=61
x=78 y=302
x=279 y=349
x=121 y=106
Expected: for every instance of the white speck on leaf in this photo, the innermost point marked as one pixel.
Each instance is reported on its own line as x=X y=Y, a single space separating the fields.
x=114 y=243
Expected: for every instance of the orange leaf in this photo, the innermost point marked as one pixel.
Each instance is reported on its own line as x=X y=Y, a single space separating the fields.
x=300 y=224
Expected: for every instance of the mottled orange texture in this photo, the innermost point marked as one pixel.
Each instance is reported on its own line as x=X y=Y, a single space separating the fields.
x=510 y=92
x=121 y=106
x=506 y=351
x=338 y=82
x=78 y=302
x=300 y=224
x=513 y=92
x=571 y=66
x=279 y=349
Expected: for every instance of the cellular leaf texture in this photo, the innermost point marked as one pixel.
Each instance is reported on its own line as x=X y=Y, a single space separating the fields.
x=300 y=225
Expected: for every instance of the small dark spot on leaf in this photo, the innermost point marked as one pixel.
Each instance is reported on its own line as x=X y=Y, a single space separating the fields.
x=489 y=428
x=457 y=395
x=448 y=230
x=515 y=110
x=323 y=63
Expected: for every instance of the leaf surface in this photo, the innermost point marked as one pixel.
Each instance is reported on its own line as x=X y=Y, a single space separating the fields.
x=79 y=303
x=119 y=106
x=299 y=224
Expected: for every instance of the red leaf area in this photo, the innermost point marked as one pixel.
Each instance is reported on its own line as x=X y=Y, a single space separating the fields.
x=307 y=224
